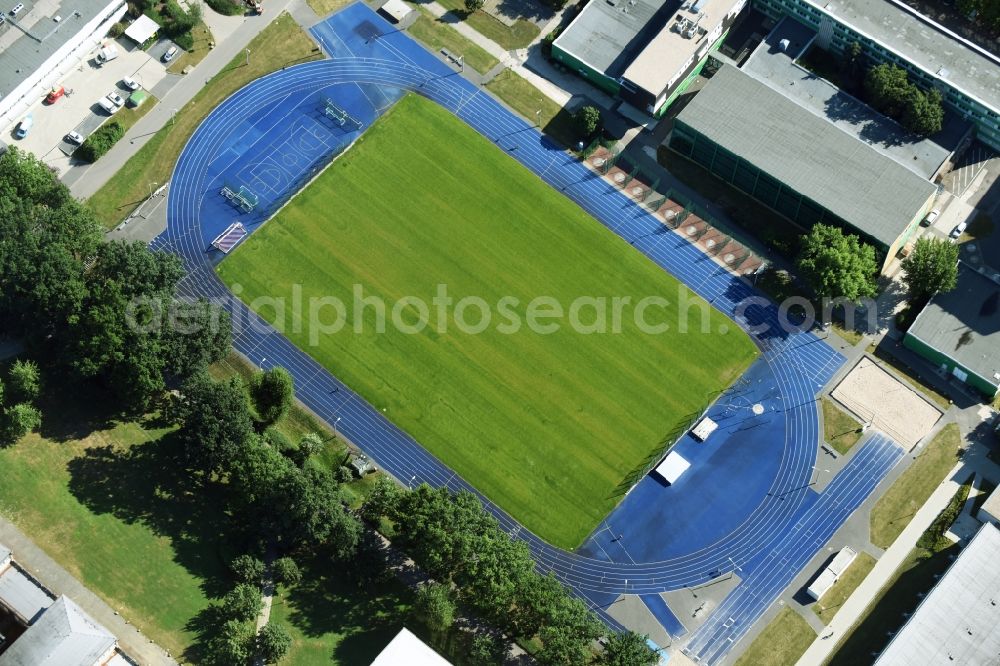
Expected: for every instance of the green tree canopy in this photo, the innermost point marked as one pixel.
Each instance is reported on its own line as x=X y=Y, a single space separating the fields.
x=215 y=423
x=588 y=120
x=24 y=382
x=242 y=603
x=434 y=607
x=932 y=266
x=271 y=392
x=247 y=569
x=628 y=649
x=18 y=421
x=890 y=91
x=838 y=265
x=273 y=643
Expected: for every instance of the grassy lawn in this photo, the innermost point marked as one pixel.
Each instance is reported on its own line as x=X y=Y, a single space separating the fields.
x=279 y=44
x=840 y=430
x=831 y=602
x=99 y=497
x=438 y=35
x=201 y=36
x=903 y=592
x=519 y=94
x=324 y=7
x=551 y=425
x=332 y=621
x=781 y=643
x=893 y=511
x=516 y=36
x=849 y=334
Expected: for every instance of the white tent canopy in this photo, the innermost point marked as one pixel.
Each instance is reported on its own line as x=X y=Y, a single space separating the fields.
x=142 y=29
x=397 y=9
x=672 y=467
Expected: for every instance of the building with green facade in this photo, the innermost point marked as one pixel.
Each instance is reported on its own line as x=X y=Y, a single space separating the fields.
x=801 y=163
x=959 y=331
x=967 y=76
x=644 y=51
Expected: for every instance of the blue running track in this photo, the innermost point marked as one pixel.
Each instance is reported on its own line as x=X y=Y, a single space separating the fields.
x=272 y=136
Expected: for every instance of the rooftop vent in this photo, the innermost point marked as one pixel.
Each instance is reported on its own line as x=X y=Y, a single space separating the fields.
x=943 y=73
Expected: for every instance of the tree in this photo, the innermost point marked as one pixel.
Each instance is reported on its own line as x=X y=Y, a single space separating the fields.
x=273 y=643
x=487 y=649
x=473 y=5
x=887 y=87
x=247 y=569
x=838 y=265
x=24 y=382
x=215 y=423
x=242 y=603
x=18 y=421
x=286 y=571
x=854 y=61
x=232 y=645
x=588 y=120
x=435 y=607
x=271 y=392
x=932 y=266
x=923 y=113
x=628 y=649
x=382 y=500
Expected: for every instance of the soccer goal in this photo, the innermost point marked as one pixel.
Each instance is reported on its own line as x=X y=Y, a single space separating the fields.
x=240 y=196
x=339 y=115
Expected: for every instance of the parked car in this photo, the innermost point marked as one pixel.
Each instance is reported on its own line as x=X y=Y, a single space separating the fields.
x=170 y=54
x=55 y=94
x=24 y=126
x=131 y=83
x=75 y=137
x=109 y=107
x=958 y=231
x=116 y=99
x=931 y=217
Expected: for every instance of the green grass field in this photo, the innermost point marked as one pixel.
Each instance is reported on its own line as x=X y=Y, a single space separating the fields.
x=548 y=425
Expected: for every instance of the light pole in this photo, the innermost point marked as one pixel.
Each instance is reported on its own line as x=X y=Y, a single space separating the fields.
x=172 y=117
x=151 y=188
x=538 y=118
x=461 y=62
x=412 y=479
x=335 y=426
x=248 y=57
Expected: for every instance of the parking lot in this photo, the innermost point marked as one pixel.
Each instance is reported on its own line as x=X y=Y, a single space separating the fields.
x=77 y=110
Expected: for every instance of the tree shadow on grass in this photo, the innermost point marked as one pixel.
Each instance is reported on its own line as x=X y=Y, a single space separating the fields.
x=330 y=601
x=148 y=484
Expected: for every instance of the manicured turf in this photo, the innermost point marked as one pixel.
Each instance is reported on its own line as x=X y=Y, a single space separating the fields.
x=781 y=643
x=545 y=424
x=831 y=602
x=895 y=509
x=840 y=430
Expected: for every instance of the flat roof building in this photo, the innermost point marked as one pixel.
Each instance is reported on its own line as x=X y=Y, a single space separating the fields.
x=645 y=51
x=967 y=75
x=799 y=162
x=959 y=330
x=956 y=623
x=44 y=42
x=408 y=650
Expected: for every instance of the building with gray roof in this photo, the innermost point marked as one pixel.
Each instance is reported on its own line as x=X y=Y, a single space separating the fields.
x=21 y=594
x=64 y=636
x=967 y=75
x=645 y=51
x=956 y=623
x=798 y=162
x=47 y=39
x=959 y=330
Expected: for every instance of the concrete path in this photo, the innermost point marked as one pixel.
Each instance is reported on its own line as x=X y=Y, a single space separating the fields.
x=84 y=180
x=59 y=581
x=866 y=593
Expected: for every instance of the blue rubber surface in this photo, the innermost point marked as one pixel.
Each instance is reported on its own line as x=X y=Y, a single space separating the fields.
x=664 y=615
x=763 y=459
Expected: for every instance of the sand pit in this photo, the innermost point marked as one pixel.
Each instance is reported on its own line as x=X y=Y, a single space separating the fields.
x=875 y=396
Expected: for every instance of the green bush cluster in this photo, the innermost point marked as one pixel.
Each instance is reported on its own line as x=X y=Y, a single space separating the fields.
x=100 y=142
x=227 y=7
x=889 y=90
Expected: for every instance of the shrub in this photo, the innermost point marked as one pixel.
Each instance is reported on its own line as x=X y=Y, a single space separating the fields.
x=242 y=603
x=100 y=142
x=247 y=569
x=273 y=643
x=286 y=571
x=344 y=474
x=117 y=30
x=227 y=7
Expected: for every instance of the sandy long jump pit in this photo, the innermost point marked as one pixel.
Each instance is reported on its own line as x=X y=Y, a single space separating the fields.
x=875 y=396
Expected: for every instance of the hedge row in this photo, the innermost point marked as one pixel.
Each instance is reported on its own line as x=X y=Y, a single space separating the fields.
x=100 y=142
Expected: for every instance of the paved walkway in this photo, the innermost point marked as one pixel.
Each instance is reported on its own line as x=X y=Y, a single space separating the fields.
x=59 y=581
x=84 y=180
x=866 y=593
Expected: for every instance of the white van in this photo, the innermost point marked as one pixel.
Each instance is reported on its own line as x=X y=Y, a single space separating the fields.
x=108 y=106
x=107 y=54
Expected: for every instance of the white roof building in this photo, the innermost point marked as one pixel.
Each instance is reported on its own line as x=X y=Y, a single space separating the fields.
x=957 y=621
x=142 y=29
x=672 y=467
x=407 y=650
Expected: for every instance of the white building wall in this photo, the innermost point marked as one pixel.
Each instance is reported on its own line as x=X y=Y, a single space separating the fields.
x=34 y=87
